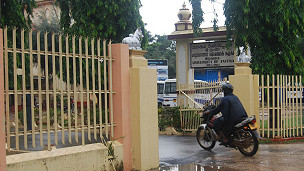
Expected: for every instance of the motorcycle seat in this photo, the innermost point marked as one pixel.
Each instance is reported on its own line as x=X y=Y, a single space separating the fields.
x=245 y=121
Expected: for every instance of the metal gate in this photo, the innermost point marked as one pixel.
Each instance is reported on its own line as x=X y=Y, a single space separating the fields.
x=71 y=79
x=193 y=97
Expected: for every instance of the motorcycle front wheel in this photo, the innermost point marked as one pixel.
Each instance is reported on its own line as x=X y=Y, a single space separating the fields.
x=203 y=136
x=253 y=146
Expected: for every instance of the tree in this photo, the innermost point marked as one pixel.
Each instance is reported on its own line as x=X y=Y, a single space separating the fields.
x=162 y=48
x=106 y=19
x=272 y=29
x=50 y=24
x=12 y=13
x=301 y=46
x=16 y=13
x=197 y=15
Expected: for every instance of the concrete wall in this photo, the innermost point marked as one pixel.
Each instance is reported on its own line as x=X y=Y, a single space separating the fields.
x=79 y=158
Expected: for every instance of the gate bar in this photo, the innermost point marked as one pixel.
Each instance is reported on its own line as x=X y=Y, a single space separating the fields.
x=93 y=88
x=47 y=90
x=88 y=88
x=7 y=103
x=61 y=90
x=75 y=89
x=15 y=90
x=54 y=88
x=24 y=90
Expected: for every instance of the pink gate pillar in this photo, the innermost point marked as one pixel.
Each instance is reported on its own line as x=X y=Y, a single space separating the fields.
x=2 y=111
x=121 y=101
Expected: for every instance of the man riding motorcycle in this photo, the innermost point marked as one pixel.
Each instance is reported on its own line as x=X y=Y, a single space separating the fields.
x=232 y=113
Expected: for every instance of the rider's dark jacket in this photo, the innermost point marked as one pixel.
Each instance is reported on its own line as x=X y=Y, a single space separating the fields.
x=232 y=112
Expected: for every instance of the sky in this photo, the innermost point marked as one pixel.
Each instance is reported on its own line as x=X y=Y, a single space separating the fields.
x=161 y=15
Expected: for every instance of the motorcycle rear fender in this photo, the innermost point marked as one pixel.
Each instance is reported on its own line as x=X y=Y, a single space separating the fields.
x=256 y=134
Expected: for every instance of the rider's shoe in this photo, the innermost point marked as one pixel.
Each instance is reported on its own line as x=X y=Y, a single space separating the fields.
x=224 y=144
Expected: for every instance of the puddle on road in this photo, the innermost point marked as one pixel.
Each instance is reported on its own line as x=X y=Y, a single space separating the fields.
x=193 y=167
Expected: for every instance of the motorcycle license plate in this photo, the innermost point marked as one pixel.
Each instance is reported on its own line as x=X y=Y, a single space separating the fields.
x=254 y=126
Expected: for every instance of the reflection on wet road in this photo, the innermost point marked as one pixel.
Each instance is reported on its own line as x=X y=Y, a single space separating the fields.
x=195 y=167
x=181 y=153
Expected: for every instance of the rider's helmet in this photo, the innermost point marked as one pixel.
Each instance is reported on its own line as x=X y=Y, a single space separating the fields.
x=227 y=88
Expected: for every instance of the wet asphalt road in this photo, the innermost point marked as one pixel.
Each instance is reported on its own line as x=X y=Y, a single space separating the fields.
x=182 y=153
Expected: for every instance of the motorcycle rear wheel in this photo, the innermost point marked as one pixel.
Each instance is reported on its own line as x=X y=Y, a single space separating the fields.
x=203 y=136
x=254 y=146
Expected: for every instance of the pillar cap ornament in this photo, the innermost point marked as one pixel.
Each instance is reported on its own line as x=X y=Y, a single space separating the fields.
x=184 y=24
x=184 y=14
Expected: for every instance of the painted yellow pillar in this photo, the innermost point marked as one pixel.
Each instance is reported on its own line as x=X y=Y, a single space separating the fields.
x=184 y=73
x=144 y=116
x=246 y=87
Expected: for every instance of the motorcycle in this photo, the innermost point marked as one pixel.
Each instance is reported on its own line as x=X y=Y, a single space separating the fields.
x=244 y=135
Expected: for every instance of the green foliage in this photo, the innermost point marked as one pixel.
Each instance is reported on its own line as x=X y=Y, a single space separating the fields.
x=301 y=46
x=47 y=24
x=111 y=152
x=162 y=48
x=215 y=21
x=12 y=13
x=169 y=117
x=197 y=15
x=20 y=116
x=272 y=30
x=51 y=24
x=106 y=19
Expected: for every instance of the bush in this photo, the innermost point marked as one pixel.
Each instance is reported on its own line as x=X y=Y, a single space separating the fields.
x=169 y=117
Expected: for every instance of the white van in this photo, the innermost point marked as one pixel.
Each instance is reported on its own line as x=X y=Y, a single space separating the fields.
x=170 y=96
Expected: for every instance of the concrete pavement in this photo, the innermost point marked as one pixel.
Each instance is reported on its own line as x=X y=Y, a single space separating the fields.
x=182 y=153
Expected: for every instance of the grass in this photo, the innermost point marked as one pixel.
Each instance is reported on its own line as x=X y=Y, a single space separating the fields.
x=288 y=141
x=287 y=122
x=289 y=129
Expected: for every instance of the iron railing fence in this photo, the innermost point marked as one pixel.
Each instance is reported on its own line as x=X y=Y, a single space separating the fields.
x=62 y=84
x=281 y=108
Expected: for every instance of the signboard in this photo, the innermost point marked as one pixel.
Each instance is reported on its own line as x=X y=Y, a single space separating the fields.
x=161 y=66
x=211 y=55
